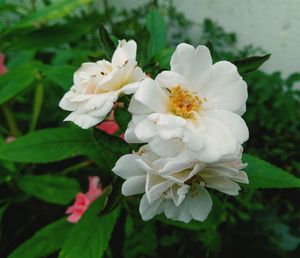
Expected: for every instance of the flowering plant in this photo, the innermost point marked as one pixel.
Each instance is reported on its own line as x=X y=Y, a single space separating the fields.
x=189 y=119
x=156 y=126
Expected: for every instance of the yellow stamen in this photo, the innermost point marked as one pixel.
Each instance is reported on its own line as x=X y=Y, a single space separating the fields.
x=183 y=103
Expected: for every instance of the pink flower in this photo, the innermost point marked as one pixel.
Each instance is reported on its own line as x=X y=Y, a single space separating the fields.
x=78 y=208
x=109 y=126
x=83 y=201
x=3 y=68
x=95 y=188
x=10 y=139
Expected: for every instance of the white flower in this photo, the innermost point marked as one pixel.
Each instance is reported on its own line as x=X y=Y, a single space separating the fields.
x=98 y=85
x=176 y=186
x=196 y=104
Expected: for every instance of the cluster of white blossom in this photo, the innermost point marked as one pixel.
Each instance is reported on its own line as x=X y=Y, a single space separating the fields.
x=188 y=118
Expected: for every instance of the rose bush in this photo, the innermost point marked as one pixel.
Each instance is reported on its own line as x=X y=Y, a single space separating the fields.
x=180 y=165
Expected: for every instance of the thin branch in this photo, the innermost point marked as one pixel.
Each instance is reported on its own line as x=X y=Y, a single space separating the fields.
x=9 y=116
x=107 y=12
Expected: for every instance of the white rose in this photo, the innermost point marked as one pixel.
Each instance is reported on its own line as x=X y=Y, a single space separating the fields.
x=196 y=104
x=97 y=85
x=176 y=186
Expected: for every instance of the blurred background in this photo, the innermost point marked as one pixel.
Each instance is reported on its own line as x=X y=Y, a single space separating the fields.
x=271 y=24
x=43 y=42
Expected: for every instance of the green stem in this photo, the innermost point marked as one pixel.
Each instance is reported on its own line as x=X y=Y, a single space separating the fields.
x=9 y=116
x=33 y=5
x=107 y=12
x=76 y=167
x=37 y=105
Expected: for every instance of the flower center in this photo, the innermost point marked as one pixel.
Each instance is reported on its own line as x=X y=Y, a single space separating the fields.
x=183 y=103
x=194 y=182
x=196 y=179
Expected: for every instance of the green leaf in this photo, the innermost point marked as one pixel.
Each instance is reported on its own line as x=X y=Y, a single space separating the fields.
x=5 y=7
x=111 y=148
x=156 y=25
x=54 y=11
x=60 y=75
x=164 y=58
x=20 y=58
x=16 y=81
x=251 y=63
x=49 y=145
x=106 y=43
x=214 y=219
x=90 y=237
x=52 y=189
x=142 y=50
x=46 y=241
x=122 y=117
x=211 y=240
x=265 y=175
x=136 y=246
x=51 y=36
x=293 y=78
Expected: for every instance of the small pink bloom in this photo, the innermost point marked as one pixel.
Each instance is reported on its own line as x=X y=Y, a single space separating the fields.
x=83 y=201
x=10 y=139
x=3 y=68
x=95 y=188
x=78 y=208
x=109 y=126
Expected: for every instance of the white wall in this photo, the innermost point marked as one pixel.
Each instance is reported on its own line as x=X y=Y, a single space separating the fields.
x=272 y=24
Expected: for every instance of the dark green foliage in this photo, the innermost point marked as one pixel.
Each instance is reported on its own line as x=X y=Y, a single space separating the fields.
x=106 y=43
x=52 y=189
x=44 y=242
x=17 y=81
x=110 y=148
x=135 y=245
x=122 y=117
x=62 y=75
x=156 y=26
x=59 y=9
x=40 y=171
x=273 y=118
x=264 y=175
x=49 y=145
x=250 y=64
